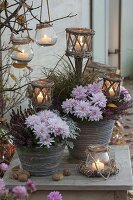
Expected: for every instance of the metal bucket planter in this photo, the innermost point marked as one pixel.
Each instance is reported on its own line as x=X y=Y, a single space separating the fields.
x=41 y=161
x=91 y=133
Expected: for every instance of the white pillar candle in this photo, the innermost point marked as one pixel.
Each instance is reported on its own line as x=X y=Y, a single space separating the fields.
x=22 y=55
x=40 y=98
x=111 y=92
x=45 y=40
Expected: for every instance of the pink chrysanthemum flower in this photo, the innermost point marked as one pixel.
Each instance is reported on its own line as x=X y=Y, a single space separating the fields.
x=68 y=105
x=20 y=191
x=2 y=187
x=3 y=166
x=79 y=93
x=95 y=114
x=47 y=126
x=55 y=195
x=93 y=88
x=126 y=96
x=82 y=109
x=99 y=100
x=30 y=185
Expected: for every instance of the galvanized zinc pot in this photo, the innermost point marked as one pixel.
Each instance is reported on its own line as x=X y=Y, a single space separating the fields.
x=91 y=133
x=41 y=161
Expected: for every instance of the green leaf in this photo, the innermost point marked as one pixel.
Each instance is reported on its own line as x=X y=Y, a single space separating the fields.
x=69 y=144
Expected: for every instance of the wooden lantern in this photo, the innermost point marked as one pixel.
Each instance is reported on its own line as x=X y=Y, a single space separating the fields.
x=42 y=93
x=111 y=85
x=79 y=42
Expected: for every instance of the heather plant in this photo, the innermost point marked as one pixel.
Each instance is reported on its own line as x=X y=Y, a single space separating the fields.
x=90 y=103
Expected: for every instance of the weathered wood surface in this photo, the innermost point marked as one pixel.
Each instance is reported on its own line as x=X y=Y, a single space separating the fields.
x=120 y=195
x=121 y=181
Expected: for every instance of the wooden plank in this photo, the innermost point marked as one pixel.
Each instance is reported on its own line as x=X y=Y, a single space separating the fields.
x=121 y=181
x=76 y=195
x=120 y=195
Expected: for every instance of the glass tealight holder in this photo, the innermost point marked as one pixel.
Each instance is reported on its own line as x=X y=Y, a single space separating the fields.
x=45 y=34
x=21 y=50
x=97 y=156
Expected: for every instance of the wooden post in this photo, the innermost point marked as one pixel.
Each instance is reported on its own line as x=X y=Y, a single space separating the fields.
x=78 y=66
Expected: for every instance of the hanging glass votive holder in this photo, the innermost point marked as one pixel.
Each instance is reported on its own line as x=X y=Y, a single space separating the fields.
x=45 y=34
x=79 y=42
x=111 y=86
x=42 y=93
x=21 y=51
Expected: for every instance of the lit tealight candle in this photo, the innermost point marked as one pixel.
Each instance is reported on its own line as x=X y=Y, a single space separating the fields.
x=40 y=98
x=46 y=40
x=78 y=45
x=22 y=55
x=111 y=92
x=98 y=165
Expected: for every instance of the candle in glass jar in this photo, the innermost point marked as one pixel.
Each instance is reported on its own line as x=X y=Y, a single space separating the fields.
x=46 y=40
x=98 y=165
x=111 y=92
x=40 y=98
x=22 y=55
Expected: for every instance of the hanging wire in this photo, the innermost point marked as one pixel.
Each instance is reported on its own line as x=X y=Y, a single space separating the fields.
x=41 y=11
x=49 y=19
x=26 y=22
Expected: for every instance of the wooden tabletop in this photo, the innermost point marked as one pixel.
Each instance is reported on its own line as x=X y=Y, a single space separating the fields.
x=76 y=181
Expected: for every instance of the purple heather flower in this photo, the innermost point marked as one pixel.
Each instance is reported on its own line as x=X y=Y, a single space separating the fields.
x=55 y=195
x=3 y=166
x=79 y=93
x=95 y=114
x=30 y=185
x=82 y=109
x=126 y=96
x=68 y=105
x=93 y=88
x=20 y=191
x=99 y=99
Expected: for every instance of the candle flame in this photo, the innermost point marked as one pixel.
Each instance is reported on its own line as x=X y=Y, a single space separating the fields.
x=40 y=94
x=81 y=39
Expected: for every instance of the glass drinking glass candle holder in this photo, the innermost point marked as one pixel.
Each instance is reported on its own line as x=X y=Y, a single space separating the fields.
x=22 y=50
x=42 y=93
x=79 y=42
x=45 y=34
x=97 y=157
x=111 y=85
